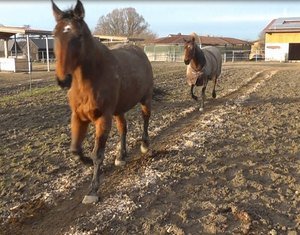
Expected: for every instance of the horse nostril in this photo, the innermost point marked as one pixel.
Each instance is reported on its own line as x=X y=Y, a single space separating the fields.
x=68 y=80
x=186 y=62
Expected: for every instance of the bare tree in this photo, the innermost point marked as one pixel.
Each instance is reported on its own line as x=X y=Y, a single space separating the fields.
x=123 y=22
x=262 y=37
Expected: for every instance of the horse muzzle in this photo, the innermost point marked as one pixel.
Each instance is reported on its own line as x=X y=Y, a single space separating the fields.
x=66 y=83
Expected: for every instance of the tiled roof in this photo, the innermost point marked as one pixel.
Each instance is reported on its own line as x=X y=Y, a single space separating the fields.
x=204 y=40
x=172 y=39
x=41 y=43
x=287 y=24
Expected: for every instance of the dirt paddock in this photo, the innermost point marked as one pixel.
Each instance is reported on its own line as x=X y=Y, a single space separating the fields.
x=233 y=169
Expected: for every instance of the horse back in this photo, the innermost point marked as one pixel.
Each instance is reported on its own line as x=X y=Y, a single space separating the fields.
x=213 y=61
x=136 y=76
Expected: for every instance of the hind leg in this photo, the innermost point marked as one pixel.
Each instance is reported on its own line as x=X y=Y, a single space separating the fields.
x=214 y=94
x=78 y=132
x=192 y=93
x=146 y=113
x=122 y=129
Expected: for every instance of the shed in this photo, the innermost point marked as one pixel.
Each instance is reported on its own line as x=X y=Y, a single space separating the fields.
x=13 y=48
x=38 y=48
x=282 y=39
x=11 y=64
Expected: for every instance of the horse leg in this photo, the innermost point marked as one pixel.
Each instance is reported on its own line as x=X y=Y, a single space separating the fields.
x=203 y=94
x=192 y=92
x=146 y=113
x=122 y=129
x=103 y=126
x=78 y=130
x=214 y=94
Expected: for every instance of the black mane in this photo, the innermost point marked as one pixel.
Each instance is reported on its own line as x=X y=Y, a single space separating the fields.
x=199 y=56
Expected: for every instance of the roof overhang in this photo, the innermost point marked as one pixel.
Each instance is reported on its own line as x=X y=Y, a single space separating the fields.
x=7 y=32
x=117 y=38
x=283 y=31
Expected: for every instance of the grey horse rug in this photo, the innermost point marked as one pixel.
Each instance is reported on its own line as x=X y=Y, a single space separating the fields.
x=211 y=68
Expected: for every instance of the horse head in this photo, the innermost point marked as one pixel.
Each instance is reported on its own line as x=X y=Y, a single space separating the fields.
x=68 y=33
x=189 y=50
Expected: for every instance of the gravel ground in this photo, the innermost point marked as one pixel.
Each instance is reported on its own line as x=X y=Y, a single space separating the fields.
x=233 y=169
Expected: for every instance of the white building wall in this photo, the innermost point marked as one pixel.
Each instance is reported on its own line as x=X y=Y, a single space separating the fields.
x=7 y=64
x=276 y=51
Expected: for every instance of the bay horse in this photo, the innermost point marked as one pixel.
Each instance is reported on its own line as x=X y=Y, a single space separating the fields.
x=103 y=84
x=202 y=65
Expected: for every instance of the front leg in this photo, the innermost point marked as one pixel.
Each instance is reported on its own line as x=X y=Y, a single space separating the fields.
x=78 y=130
x=203 y=95
x=103 y=126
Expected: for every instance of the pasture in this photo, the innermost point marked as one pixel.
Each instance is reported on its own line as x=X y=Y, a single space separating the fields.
x=233 y=169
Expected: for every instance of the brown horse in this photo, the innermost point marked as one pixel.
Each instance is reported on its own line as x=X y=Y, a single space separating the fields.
x=203 y=65
x=102 y=84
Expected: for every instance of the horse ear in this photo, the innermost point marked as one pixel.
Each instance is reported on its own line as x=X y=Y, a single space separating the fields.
x=79 y=10
x=193 y=38
x=56 y=11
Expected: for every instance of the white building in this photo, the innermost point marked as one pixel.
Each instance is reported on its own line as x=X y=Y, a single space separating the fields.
x=282 y=39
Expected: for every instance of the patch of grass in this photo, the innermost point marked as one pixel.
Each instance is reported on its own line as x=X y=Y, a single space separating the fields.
x=35 y=92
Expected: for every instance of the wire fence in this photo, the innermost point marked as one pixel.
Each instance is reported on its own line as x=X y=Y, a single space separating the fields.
x=174 y=53
x=155 y=53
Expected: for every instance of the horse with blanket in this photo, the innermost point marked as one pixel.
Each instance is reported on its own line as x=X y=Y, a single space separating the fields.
x=202 y=65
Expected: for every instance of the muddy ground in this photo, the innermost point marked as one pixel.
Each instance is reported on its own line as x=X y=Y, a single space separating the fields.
x=233 y=169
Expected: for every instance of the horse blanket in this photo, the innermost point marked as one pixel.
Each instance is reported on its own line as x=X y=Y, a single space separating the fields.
x=211 y=68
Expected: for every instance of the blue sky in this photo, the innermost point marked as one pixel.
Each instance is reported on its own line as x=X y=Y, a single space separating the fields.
x=239 y=19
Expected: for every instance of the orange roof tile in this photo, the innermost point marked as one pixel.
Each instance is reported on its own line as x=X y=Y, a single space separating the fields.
x=204 y=40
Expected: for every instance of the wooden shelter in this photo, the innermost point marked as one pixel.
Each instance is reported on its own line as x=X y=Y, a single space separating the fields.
x=38 y=48
x=109 y=39
x=9 y=64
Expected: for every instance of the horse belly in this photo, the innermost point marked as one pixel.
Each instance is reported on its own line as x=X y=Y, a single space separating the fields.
x=128 y=100
x=136 y=76
x=132 y=92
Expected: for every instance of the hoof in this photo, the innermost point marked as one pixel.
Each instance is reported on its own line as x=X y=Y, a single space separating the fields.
x=214 y=95
x=120 y=163
x=79 y=156
x=90 y=199
x=86 y=161
x=144 y=149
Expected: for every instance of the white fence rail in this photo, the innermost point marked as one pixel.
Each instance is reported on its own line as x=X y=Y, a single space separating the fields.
x=174 y=53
